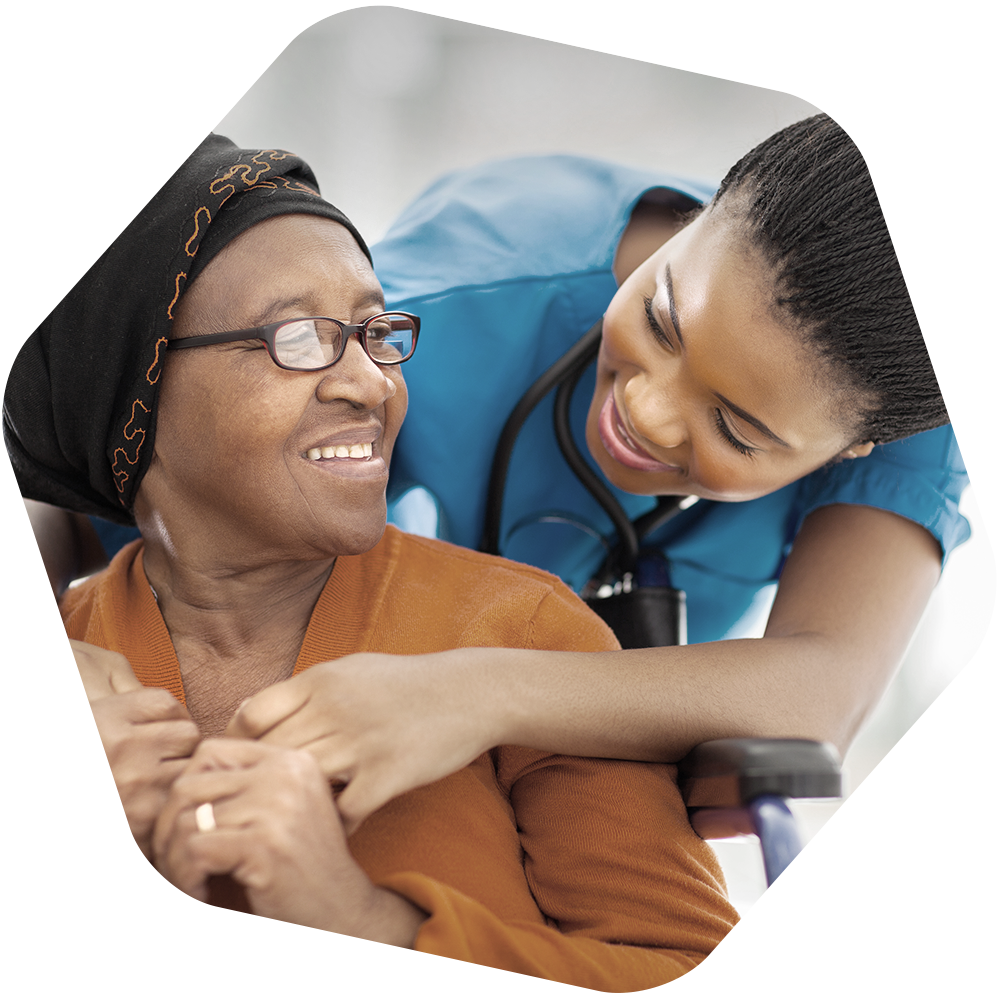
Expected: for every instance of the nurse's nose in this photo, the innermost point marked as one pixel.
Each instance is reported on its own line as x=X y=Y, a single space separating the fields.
x=656 y=412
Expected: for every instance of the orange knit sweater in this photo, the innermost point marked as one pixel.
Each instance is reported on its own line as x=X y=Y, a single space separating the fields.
x=578 y=870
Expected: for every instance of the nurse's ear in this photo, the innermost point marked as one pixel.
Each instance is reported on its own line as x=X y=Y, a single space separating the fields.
x=858 y=450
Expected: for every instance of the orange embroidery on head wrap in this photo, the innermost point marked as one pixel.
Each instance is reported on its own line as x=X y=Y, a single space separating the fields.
x=156 y=361
x=291 y=185
x=270 y=185
x=178 y=278
x=243 y=172
x=130 y=433
x=197 y=230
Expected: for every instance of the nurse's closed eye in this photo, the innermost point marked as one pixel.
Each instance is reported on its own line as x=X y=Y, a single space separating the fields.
x=730 y=438
x=654 y=326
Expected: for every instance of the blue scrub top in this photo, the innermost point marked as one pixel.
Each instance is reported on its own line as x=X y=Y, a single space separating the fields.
x=508 y=264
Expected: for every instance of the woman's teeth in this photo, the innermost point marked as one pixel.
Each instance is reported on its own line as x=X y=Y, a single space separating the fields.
x=340 y=451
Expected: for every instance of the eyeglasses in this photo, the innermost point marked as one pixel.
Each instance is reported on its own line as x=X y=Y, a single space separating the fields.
x=318 y=342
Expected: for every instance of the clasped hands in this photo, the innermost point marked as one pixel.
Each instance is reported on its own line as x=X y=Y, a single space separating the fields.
x=279 y=833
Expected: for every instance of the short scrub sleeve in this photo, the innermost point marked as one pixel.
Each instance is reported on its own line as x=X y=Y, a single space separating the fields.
x=920 y=477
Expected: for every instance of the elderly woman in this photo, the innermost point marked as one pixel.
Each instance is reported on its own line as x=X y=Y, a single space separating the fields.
x=194 y=382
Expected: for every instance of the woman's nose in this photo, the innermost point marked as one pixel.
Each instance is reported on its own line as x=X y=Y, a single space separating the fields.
x=357 y=379
x=656 y=412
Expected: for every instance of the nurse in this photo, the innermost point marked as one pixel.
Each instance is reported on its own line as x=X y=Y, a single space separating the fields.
x=760 y=354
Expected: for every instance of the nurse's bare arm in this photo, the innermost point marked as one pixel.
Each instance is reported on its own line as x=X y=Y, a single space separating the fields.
x=68 y=543
x=850 y=597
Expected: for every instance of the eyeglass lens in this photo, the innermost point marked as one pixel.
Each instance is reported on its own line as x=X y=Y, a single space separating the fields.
x=314 y=343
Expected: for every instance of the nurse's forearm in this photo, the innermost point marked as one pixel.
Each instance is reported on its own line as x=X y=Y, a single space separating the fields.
x=656 y=704
x=851 y=595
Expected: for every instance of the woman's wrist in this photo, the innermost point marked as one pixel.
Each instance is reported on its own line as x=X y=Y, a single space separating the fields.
x=388 y=918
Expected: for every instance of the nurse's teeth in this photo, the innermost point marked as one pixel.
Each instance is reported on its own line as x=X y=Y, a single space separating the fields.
x=343 y=451
x=357 y=451
x=314 y=454
x=367 y=447
x=327 y=452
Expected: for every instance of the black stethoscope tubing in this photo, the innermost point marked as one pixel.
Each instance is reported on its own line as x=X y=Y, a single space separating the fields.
x=566 y=373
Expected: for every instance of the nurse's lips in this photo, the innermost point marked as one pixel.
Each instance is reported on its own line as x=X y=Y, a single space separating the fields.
x=620 y=446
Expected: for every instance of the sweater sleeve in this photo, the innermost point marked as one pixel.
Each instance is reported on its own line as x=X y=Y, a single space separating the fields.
x=631 y=896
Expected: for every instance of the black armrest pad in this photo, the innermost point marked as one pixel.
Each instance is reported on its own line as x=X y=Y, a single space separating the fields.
x=730 y=773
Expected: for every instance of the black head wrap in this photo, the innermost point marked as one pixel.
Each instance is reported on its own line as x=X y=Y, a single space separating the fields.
x=79 y=412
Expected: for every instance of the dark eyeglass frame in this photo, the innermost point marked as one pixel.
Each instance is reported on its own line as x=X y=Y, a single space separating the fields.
x=267 y=334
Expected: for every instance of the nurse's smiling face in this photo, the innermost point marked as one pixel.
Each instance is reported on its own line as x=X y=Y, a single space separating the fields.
x=701 y=387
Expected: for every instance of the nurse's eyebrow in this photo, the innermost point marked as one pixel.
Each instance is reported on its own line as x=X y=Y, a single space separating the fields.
x=668 y=283
x=753 y=421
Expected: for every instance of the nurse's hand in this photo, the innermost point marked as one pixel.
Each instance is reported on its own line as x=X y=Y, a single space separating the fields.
x=378 y=724
x=147 y=735
x=272 y=825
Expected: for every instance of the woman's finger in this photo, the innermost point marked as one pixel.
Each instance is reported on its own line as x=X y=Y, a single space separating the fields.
x=202 y=779
x=189 y=790
x=102 y=671
x=339 y=764
x=258 y=715
x=227 y=754
x=308 y=724
x=189 y=857
x=173 y=740
x=213 y=776
x=277 y=801
x=363 y=796
x=136 y=751
x=242 y=780
x=143 y=705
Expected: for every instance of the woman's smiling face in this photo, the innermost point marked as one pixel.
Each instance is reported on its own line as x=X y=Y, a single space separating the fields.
x=701 y=388
x=239 y=441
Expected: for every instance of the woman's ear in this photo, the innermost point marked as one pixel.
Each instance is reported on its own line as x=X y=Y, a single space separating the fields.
x=858 y=450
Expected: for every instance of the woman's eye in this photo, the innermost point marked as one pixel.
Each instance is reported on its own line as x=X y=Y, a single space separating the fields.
x=654 y=326
x=730 y=438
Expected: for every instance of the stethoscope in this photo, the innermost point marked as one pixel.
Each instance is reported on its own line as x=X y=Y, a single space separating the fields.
x=628 y=567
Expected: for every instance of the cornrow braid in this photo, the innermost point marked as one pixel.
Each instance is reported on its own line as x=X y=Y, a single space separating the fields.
x=805 y=200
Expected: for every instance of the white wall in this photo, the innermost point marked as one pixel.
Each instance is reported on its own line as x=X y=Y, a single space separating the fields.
x=380 y=101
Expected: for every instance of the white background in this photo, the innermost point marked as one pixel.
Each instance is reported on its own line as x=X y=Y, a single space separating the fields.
x=381 y=101
x=102 y=101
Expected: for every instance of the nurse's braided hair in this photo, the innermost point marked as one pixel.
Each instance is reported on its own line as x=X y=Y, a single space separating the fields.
x=805 y=199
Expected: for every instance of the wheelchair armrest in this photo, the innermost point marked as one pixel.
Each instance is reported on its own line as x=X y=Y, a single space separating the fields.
x=733 y=787
x=731 y=773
